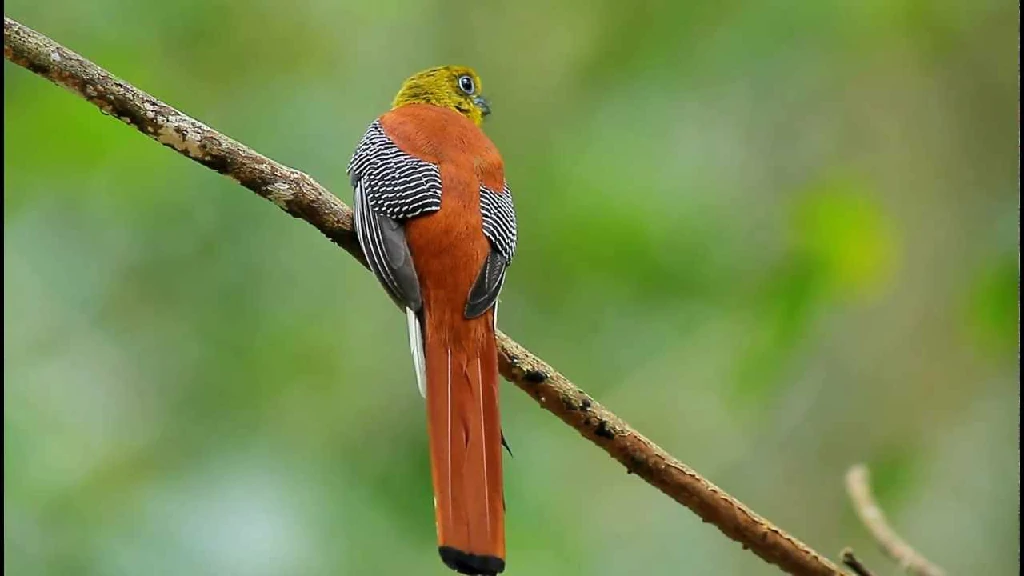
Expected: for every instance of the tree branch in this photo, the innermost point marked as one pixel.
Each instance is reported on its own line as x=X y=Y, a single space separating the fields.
x=854 y=563
x=859 y=489
x=302 y=197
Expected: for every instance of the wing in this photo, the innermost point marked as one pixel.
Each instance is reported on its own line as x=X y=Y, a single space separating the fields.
x=391 y=186
x=499 y=223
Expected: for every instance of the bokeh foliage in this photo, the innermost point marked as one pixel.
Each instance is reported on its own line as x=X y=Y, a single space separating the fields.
x=778 y=237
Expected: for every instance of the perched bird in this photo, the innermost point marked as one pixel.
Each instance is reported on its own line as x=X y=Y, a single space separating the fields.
x=434 y=217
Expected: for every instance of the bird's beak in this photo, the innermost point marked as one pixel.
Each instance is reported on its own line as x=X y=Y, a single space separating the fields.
x=482 y=104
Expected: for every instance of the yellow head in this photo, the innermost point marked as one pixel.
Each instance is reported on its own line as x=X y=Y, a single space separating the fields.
x=454 y=87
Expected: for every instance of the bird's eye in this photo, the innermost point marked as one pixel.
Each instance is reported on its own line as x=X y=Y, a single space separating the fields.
x=467 y=85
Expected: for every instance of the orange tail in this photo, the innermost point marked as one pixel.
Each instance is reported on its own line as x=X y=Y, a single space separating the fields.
x=465 y=443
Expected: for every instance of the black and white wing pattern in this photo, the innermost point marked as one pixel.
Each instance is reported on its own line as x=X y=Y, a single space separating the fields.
x=499 y=222
x=391 y=186
x=499 y=217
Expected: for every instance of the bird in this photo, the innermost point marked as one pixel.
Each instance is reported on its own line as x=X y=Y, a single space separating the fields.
x=434 y=217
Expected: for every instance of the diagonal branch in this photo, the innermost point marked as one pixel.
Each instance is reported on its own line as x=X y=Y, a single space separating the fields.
x=858 y=486
x=302 y=197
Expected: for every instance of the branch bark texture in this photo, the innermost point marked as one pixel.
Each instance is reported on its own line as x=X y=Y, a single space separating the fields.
x=302 y=197
x=858 y=486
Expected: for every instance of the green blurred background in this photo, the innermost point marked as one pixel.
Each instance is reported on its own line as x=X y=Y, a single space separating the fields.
x=777 y=237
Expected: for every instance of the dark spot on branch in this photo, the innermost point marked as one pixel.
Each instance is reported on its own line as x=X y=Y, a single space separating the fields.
x=585 y=403
x=535 y=376
x=218 y=163
x=636 y=462
x=37 y=68
x=603 y=430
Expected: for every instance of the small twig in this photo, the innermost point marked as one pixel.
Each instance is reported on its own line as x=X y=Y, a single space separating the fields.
x=302 y=197
x=853 y=563
x=859 y=489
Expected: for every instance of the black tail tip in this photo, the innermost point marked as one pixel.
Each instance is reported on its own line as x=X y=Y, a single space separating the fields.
x=471 y=564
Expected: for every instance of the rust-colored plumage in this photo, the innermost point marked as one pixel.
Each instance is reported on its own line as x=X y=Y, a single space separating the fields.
x=448 y=248
x=436 y=223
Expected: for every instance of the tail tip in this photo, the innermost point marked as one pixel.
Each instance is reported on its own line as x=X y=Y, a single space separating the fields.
x=472 y=564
